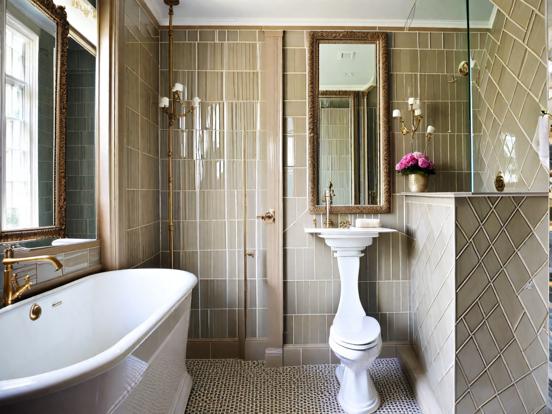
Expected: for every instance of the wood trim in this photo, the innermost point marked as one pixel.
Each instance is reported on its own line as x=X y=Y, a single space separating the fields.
x=109 y=92
x=272 y=125
x=57 y=230
x=380 y=39
x=82 y=41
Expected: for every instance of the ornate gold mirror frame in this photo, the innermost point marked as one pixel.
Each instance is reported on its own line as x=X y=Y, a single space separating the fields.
x=59 y=16
x=380 y=40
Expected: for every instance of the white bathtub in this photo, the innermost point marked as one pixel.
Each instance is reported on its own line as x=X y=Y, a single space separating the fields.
x=114 y=342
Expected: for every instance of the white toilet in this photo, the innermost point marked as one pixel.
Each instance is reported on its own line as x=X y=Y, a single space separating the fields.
x=357 y=343
x=354 y=337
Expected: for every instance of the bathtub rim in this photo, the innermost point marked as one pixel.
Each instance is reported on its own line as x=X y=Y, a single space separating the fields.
x=17 y=389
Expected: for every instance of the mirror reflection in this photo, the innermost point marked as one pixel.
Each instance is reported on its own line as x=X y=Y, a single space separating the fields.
x=80 y=147
x=29 y=140
x=347 y=121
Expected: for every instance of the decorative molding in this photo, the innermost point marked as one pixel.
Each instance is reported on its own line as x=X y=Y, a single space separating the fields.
x=312 y=23
x=58 y=14
x=380 y=39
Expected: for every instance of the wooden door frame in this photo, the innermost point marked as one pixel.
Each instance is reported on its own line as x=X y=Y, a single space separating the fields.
x=272 y=126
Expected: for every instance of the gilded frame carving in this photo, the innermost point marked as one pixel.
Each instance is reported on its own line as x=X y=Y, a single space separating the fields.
x=380 y=39
x=59 y=16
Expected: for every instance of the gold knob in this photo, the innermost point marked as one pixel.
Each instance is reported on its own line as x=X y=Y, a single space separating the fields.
x=35 y=312
x=499 y=183
x=268 y=217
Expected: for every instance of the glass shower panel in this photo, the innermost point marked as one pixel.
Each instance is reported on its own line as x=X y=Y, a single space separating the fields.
x=508 y=89
x=438 y=77
x=219 y=185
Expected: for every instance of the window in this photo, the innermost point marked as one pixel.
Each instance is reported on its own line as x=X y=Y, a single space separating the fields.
x=20 y=198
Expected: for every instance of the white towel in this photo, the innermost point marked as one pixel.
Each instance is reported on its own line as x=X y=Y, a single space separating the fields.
x=540 y=140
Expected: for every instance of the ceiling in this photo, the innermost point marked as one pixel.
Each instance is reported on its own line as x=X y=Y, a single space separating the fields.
x=428 y=13
x=347 y=67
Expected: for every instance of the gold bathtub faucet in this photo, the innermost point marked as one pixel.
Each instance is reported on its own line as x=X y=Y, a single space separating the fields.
x=12 y=289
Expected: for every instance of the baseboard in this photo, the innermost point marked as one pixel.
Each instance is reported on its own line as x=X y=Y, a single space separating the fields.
x=255 y=349
x=313 y=354
x=274 y=357
x=419 y=381
x=213 y=349
x=226 y=348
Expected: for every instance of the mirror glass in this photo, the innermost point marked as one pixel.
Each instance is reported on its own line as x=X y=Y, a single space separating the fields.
x=80 y=145
x=28 y=143
x=348 y=124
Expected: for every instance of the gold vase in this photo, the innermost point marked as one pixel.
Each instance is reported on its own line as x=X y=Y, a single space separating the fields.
x=417 y=183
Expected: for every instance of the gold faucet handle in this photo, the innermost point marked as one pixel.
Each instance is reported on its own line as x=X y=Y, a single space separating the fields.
x=9 y=250
x=26 y=280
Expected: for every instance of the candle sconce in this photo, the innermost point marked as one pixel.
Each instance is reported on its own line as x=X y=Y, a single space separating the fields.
x=416 y=116
x=179 y=95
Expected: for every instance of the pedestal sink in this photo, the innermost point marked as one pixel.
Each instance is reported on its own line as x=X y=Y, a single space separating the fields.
x=354 y=337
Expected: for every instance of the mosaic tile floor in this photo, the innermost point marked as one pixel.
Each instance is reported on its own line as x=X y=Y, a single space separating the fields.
x=242 y=387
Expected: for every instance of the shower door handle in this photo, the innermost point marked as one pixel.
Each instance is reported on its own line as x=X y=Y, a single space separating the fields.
x=268 y=217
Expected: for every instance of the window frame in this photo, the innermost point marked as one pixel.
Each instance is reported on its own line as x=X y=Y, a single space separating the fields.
x=30 y=117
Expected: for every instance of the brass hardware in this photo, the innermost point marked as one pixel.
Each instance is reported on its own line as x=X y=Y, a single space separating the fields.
x=35 y=312
x=12 y=289
x=314 y=222
x=499 y=182
x=328 y=200
x=268 y=217
x=464 y=68
x=250 y=254
x=344 y=224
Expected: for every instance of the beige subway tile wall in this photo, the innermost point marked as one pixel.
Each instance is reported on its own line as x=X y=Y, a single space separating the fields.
x=509 y=93
x=140 y=136
x=422 y=64
x=222 y=68
x=335 y=149
x=219 y=162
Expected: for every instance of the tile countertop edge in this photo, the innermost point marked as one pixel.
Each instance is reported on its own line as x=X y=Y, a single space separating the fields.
x=461 y=195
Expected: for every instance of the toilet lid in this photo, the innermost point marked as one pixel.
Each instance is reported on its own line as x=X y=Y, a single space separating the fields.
x=360 y=332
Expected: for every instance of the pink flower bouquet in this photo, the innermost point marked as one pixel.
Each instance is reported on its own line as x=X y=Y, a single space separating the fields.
x=415 y=163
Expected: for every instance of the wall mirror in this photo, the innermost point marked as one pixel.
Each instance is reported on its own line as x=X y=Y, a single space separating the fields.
x=34 y=67
x=348 y=122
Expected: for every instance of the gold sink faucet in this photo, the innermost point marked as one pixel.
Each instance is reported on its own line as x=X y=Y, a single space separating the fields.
x=12 y=289
x=328 y=199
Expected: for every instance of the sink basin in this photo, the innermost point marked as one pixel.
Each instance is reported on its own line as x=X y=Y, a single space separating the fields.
x=351 y=238
x=348 y=245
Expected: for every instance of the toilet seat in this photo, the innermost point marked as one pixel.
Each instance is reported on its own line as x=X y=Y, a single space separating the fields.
x=361 y=334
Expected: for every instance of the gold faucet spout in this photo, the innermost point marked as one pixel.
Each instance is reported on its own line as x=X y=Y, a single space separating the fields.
x=52 y=259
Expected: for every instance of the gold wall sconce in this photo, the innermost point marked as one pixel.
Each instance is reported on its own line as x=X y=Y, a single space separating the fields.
x=416 y=116
x=180 y=111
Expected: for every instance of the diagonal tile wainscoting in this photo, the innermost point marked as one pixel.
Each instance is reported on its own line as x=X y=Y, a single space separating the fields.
x=509 y=90
x=478 y=268
x=501 y=304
